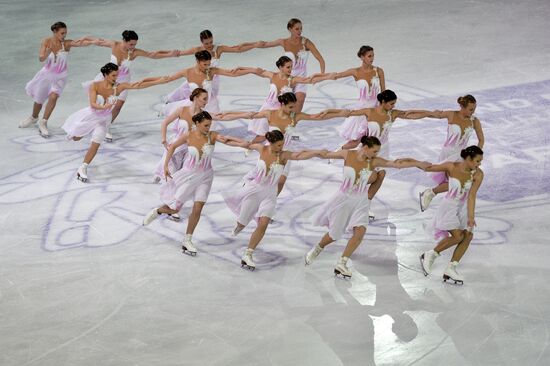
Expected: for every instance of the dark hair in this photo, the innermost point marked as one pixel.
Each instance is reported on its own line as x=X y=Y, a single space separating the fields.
x=282 y=61
x=129 y=35
x=58 y=25
x=471 y=151
x=274 y=136
x=196 y=92
x=465 y=100
x=386 y=96
x=370 y=141
x=203 y=55
x=287 y=98
x=363 y=50
x=201 y=116
x=292 y=22
x=108 y=68
x=205 y=34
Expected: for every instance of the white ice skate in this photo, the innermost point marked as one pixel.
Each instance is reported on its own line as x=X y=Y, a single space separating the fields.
x=82 y=173
x=425 y=198
x=43 y=128
x=312 y=254
x=341 y=268
x=151 y=216
x=28 y=122
x=371 y=216
x=174 y=217
x=188 y=247
x=236 y=230
x=246 y=260
x=427 y=260
x=452 y=275
x=108 y=137
x=156 y=180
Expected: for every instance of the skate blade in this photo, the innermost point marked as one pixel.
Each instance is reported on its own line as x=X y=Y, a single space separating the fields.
x=246 y=266
x=295 y=138
x=422 y=209
x=337 y=274
x=44 y=135
x=422 y=265
x=174 y=218
x=188 y=252
x=108 y=139
x=449 y=278
x=371 y=217
x=82 y=179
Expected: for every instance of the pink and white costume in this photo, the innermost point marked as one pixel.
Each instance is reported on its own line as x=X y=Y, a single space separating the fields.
x=259 y=126
x=258 y=197
x=354 y=127
x=51 y=78
x=348 y=207
x=373 y=129
x=185 y=91
x=176 y=162
x=455 y=142
x=90 y=121
x=299 y=65
x=193 y=181
x=453 y=210
x=124 y=75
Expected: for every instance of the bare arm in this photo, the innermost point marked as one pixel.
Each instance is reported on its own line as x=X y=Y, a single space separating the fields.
x=303 y=155
x=178 y=75
x=445 y=167
x=164 y=126
x=345 y=74
x=233 y=115
x=102 y=42
x=240 y=71
x=189 y=51
x=179 y=141
x=144 y=83
x=382 y=78
x=231 y=141
x=419 y=114
x=340 y=154
x=81 y=42
x=478 y=178
x=311 y=46
x=92 y=97
x=275 y=43
x=243 y=47
x=44 y=50
x=317 y=117
x=401 y=163
x=479 y=133
x=156 y=54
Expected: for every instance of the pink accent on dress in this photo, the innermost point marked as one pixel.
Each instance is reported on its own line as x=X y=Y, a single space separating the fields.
x=124 y=75
x=373 y=129
x=51 y=78
x=258 y=197
x=354 y=127
x=453 y=210
x=185 y=90
x=454 y=143
x=193 y=181
x=90 y=121
x=348 y=207
x=299 y=65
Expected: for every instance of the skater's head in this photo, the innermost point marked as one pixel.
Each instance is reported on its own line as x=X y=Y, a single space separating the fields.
x=288 y=101
x=467 y=105
x=472 y=156
x=294 y=26
x=59 y=30
x=370 y=146
x=284 y=63
x=203 y=60
x=387 y=99
x=276 y=141
x=129 y=40
x=199 y=96
x=110 y=72
x=207 y=39
x=366 y=54
x=202 y=121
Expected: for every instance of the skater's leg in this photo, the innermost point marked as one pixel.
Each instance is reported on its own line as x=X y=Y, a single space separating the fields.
x=52 y=101
x=375 y=186
x=443 y=187
x=456 y=237
x=326 y=240
x=462 y=246
x=116 y=110
x=92 y=151
x=165 y=209
x=353 y=243
x=36 y=108
x=259 y=233
x=194 y=217
x=300 y=99
x=281 y=184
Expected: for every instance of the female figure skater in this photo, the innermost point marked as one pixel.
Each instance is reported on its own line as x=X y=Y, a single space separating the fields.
x=348 y=208
x=49 y=82
x=297 y=49
x=257 y=198
x=461 y=124
x=123 y=54
x=455 y=219
x=194 y=180
x=201 y=75
x=96 y=118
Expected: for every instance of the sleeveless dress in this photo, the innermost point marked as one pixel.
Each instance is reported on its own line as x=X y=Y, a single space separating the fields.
x=453 y=210
x=185 y=91
x=454 y=143
x=259 y=126
x=124 y=75
x=193 y=181
x=299 y=65
x=373 y=129
x=90 y=120
x=258 y=197
x=353 y=127
x=51 y=78
x=349 y=206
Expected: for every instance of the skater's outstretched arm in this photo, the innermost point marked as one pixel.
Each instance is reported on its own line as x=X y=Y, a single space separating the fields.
x=178 y=75
x=316 y=117
x=303 y=155
x=233 y=115
x=144 y=83
x=81 y=42
x=239 y=71
x=275 y=43
x=243 y=47
x=340 y=154
x=230 y=140
x=444 y=167
x=189 y=51
x=400 y=163
x=102 y=42
x=419 y=114
x=344 y=74
x=156 y=54
x=478 y=178
x=479 y=133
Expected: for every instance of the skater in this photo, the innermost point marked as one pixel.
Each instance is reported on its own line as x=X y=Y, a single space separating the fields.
x=461 y=124
x=348 y=208
x=454 y=221
x=297 y=48
x=257 y=198
x=96 y=118
x=49 y=82
x=194 y=180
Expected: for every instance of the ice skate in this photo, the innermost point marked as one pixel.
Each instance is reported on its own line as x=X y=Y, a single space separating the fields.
x=371 y=216
x=427 y=260
x=188 y=247
x=156 y=180
x=43 y=128
x=108 y=137
x=452 y=275
x=425 y=198
x=236 y=230
x=341 y=268
x=82 y=173
x=246 y=260
x=28 y=122
x=151 y=216
x=174 y=217
x=312 y=254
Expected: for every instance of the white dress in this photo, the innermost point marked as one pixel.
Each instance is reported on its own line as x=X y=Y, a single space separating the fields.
x=299 y=65
x=124 y=75
x=259 y=126
x=51 y=78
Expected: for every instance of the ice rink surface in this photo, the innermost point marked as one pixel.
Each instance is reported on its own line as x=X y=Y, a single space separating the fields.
x=83 y=283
